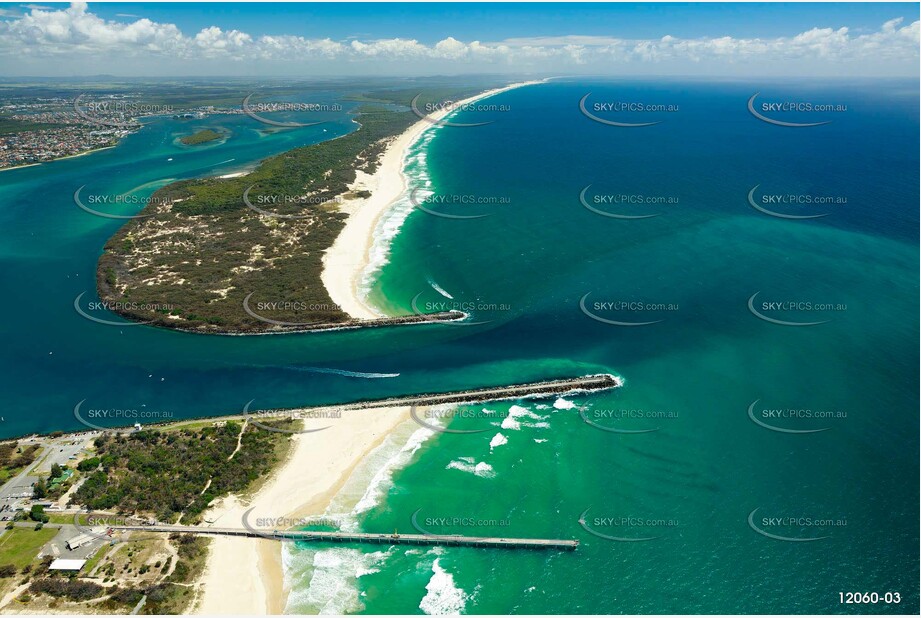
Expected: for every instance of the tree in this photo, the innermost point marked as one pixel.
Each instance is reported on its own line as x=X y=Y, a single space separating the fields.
x=88 y=464
x=39 y=490
x=56 y=471
x=38 y=513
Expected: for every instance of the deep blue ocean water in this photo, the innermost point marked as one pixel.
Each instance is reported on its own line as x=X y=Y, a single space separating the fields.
x=692 y=375
x=693 y=482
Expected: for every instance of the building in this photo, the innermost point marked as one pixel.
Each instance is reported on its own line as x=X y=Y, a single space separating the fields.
x=79 y=541
x=65 y=564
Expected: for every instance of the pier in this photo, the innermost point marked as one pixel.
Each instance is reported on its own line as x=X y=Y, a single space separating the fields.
x=550 y=388
x=366 y=537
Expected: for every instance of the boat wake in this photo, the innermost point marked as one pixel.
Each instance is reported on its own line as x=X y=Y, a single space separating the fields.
x=343 y=372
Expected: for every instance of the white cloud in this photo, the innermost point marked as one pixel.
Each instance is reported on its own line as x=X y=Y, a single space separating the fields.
x=45 y=34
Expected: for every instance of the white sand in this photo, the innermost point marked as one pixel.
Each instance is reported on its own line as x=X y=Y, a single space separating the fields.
x=244 y=575
x=345 y=262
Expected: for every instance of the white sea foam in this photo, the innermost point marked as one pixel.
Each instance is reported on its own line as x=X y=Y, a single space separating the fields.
x=391 y=221
x=332 y=574
x=466 y=464
x=333 y=580
x=383 y=478
x=497 y=440
x=443 y=597
x=516 y=413
x=562 y=404
x=519 y=412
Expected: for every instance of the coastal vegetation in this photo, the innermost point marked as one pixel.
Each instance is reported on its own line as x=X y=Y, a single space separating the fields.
x=14 y=457
x=177 y=474
x=203 y=250
x=117 y=578
x=171 y=474
x=201 y=137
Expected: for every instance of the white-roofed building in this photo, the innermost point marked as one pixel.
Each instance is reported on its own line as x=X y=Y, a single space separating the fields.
x=66 y=564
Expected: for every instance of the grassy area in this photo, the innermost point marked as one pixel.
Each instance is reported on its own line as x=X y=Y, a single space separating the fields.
x=20 y=546
x=94 y=560
x=61 y=518
x=189 y=425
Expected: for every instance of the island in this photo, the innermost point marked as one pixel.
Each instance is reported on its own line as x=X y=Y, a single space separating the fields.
x=274 y=250
x=201 y=137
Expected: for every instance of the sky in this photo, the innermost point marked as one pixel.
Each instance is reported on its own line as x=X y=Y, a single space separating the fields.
x=332 y=39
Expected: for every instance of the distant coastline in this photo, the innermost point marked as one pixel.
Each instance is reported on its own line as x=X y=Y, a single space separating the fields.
x=349 y=257
x=347 y=184
x=73 y=156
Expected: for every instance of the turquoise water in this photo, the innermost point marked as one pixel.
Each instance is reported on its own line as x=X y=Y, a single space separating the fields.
x=693 y=482
x=523 y=269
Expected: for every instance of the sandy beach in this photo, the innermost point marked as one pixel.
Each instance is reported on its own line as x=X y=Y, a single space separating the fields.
x=345 y=262
x=245 y=576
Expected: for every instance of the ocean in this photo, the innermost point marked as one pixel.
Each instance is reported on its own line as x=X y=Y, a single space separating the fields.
x=676 y=495
x=687 y=488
